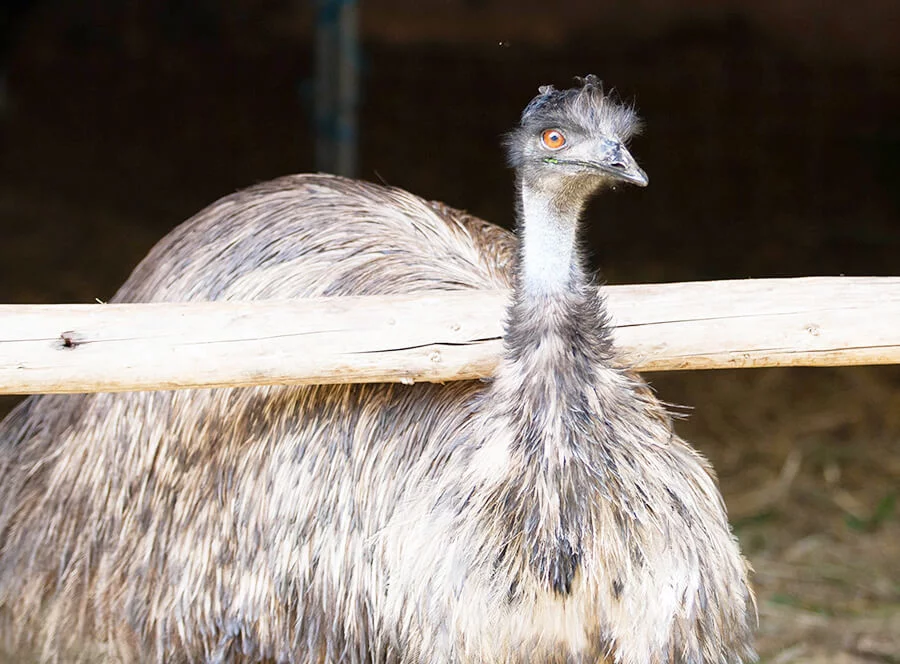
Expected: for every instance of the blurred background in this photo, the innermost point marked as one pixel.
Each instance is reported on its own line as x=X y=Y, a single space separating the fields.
x=772 y=143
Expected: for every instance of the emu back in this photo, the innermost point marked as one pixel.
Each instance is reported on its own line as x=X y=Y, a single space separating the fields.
x=216 y=522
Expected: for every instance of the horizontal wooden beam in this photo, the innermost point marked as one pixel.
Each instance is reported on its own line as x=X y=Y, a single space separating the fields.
x=435 y=336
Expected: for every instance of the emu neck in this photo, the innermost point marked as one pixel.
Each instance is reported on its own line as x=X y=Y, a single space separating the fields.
x=556 y=336
x=549 y=222
x=557 y=349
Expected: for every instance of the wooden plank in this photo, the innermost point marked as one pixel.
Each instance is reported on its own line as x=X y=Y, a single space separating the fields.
x=812 y=321
x=436 y=337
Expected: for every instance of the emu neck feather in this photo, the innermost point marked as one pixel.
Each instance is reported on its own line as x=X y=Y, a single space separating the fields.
x=548 y=242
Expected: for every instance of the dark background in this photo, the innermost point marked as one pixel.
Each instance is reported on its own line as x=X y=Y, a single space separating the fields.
x=772 y=134
x=772 y=143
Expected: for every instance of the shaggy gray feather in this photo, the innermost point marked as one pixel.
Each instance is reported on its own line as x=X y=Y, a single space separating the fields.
x=550 y=515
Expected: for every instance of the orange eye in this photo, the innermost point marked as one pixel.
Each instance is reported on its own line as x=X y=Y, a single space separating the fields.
x=553 y=139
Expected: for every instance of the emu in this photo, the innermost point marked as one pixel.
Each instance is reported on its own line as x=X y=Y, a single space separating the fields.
x=549 y=515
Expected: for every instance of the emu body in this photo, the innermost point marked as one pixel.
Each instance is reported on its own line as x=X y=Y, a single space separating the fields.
x=550 y=515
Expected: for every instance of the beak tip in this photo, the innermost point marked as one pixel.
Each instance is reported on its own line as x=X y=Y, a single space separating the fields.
x=636 y=176
x=626 y=168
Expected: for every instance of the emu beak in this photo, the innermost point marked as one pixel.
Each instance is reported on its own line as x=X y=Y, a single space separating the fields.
x=620 y=165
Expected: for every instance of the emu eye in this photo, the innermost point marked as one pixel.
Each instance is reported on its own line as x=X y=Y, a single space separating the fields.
x=553 y=139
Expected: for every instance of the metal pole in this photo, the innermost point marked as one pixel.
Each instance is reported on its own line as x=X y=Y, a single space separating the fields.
x=337 y=86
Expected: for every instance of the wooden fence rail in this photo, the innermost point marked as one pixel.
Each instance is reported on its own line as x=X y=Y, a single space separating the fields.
x=434 y=336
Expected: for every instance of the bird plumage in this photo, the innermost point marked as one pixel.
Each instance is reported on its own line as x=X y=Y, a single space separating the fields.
x=549 y=515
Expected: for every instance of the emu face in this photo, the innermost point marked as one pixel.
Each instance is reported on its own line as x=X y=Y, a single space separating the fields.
x=589 y=157
x=575 y=139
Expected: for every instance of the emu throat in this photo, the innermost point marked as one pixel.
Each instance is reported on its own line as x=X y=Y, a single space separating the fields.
x=548 y=227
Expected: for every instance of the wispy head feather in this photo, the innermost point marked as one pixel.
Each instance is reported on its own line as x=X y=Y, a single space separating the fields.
x=586 y=105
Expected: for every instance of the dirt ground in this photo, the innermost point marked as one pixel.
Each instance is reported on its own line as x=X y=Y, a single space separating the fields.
x=761 y=164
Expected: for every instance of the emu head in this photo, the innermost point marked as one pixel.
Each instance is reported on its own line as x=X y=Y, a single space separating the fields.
x=572 y=142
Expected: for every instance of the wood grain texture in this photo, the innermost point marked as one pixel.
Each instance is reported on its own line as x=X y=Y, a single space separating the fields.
x=818 y=321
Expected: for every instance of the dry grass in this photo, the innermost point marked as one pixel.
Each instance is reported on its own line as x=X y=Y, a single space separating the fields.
x=809 y=463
